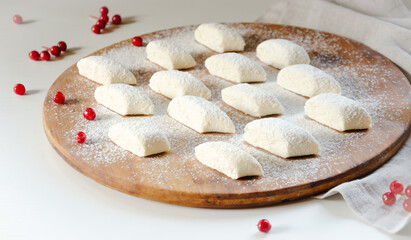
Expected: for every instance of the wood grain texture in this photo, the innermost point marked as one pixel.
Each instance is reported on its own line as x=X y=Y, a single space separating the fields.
x=210 y=189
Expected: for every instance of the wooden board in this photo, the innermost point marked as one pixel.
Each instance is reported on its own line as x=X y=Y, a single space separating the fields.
x=178 y=178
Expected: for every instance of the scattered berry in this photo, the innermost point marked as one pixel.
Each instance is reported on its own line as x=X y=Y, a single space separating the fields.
x=137 y=41
x=264 y=225
x=407 y=205
x=55 y=51
x=116 y=19
x=59 y=98
x=89 y=114
x=45 y=56
x=388 y=198
x=62 y=45
x=19 y=89
x=34 y=55
x=408 y=191
x=95 y=29
x=396 y=187
x=104 y=10
x=104 y=18
x=80 y=137
x=101 y=24
x=17 y=19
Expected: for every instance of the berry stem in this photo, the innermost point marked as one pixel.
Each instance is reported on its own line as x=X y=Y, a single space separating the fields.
x=46 y=48
x=93 y=17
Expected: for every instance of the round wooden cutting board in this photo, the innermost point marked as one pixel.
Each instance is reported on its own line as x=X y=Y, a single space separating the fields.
x=177 y=177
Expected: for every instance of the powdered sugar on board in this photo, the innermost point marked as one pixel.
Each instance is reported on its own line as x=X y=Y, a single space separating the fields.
x=363 y=82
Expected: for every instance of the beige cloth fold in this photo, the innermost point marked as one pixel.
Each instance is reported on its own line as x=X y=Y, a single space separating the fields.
x=385 y=26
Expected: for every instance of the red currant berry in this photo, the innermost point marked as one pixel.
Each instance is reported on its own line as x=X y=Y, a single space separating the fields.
x=95 y=29
x=34 y=55
x=55 y=51
x=116 y=19
x=17 y=19
x=407 y=205
x=396 y=187
x=80 y=137
x=388 y=198
x=62 y=45
x=89 y=114
x=408 y=191
x=19 y=89
x=45 y=56
x=137 y=41
x=59 y=98
x=104 y=10
x=264 y=225
x=101 y=24
x=104 y=18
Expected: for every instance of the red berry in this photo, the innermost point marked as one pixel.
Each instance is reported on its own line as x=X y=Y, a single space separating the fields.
x=264 y=225
x=59 y=98
x=396 y=187
x=388 y=198
x=407 y=205
x=55 y=51
x=116 y=19
x=45 y=56
x=34 y=55
x=104 y=10
x=137 y=41
x=62 y=45
x=408 y=191
x=17 y=19
x=80 y=137
x=104 y=18
x=101 y=24
x=89 y=114
x=19 y=89
x=95 y=29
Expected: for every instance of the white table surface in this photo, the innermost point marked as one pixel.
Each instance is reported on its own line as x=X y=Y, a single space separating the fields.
x=42 y=197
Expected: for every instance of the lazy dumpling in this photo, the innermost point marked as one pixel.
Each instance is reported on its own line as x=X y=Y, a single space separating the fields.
x=280 y=137
x=168 y=55
x=228 y=159
x=235 y=68
x=251 y=100
x=307 y=80
x=338 y=112
x=281 y=53
x=124 y=99
x=174 y=83
x=200 y=115
x=219 y=37
x=104 y=70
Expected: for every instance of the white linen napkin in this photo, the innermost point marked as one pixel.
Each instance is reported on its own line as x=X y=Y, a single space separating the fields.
x=385 y=26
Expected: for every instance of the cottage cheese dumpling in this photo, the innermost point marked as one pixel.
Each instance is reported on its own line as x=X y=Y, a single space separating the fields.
x=281 y=53
x=338 y=112
x=104 y=70
x=142 y=140
x=200 y=115
x=228 y=159
x=307 y=80
x=219 y=37
x=173 y=83
x=168 y=55
x=280 y=138
x=235 y=67
x=124 y=99
x=251 y=100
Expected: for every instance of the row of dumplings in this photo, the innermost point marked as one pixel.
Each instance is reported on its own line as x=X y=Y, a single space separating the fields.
x=190 y=107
